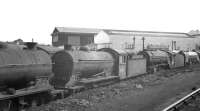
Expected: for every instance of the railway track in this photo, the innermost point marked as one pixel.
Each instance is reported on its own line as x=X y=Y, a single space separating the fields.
x=183 y=103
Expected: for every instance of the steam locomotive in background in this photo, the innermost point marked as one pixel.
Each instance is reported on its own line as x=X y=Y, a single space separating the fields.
x=31 y=73
x=74 y=67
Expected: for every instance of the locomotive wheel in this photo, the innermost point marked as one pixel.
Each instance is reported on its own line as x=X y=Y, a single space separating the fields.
x=9 y=105
x=5 y=106
x=41 y=101
x=45 y=98
x=37 y=100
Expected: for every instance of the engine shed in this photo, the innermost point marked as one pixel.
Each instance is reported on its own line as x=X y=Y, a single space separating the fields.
x=73 y=36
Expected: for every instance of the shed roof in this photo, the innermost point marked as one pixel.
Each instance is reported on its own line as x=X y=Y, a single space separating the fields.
x=148 y=33
x=123 y=32
x=76 y=30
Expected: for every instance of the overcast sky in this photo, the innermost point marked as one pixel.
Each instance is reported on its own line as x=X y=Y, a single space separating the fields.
x=27 y=19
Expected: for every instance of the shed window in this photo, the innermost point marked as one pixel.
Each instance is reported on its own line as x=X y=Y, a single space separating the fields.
x=55 y=39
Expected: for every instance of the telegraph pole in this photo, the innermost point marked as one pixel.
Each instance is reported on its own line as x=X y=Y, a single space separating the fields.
x=143 y=39
x=174 y=45
x=134 y=42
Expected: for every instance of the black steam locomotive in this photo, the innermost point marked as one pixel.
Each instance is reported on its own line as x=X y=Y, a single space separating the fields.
x=30 y=73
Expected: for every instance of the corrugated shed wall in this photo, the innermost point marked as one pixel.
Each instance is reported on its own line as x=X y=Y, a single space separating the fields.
x=118 y=41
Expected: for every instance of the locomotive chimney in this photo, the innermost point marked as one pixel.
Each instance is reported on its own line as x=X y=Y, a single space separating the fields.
x=31 y=45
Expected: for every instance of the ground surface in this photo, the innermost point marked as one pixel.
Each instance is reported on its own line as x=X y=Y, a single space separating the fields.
x=147 y=93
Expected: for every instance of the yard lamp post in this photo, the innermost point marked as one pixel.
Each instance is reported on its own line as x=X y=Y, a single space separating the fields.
x=143 y=39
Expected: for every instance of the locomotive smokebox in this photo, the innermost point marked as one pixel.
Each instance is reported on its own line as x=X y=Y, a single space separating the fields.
x=71 y=66
x=19 y=66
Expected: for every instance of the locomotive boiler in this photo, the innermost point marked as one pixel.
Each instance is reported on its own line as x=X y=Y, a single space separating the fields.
x=156 y=59
x=21 y=66
x=71 y=66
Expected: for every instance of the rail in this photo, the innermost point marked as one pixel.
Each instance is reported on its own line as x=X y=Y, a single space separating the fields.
x=175 y=106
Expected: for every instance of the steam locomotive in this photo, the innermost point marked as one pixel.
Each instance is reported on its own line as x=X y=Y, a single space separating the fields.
x=30 y=73
x=24 y=73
